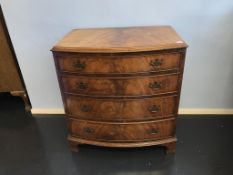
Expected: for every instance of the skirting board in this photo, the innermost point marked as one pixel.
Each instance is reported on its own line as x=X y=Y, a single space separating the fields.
x=191 y=111
x=47 y=111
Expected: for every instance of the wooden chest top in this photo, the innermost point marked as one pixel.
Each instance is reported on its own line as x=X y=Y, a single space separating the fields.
x=114 y=40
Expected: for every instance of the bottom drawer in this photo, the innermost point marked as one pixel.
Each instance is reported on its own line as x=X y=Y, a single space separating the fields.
x=139 y=131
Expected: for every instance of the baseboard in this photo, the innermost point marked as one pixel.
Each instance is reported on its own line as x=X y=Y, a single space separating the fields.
x=212 y=111
x=197 y=111
x=47 y=111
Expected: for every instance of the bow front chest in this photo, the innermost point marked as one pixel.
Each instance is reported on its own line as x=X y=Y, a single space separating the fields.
x=121 y=86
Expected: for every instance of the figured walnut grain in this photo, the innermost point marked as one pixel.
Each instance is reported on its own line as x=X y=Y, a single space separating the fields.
x=120 y=109
x=125 y=39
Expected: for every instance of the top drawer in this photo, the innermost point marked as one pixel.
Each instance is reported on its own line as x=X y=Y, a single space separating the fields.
x=117 y=64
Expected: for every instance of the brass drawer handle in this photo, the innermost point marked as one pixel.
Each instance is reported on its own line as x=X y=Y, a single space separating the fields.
x=86 y=108
x=88 y=130
x=155 y=85
x=154 y=109
x=79 y=65
x=153 y=131
x=81 y=85
x=156 y=63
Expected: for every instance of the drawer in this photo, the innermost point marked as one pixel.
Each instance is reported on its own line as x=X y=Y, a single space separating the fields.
x=120 y=109
x=122 y=132
x=118 y=64
x=124 y=86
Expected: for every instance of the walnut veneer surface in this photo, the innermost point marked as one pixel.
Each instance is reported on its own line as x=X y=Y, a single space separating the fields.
x=121 y=86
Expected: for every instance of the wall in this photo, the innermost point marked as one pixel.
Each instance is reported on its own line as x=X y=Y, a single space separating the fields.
x=207 y=26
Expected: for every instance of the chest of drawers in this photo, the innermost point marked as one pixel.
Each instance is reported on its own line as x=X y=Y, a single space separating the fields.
x=121 y=86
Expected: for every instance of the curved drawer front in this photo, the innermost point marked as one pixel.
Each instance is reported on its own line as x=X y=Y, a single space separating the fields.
x=120 y=109
x=129 y=86
x=124 y=131
x=134 y=63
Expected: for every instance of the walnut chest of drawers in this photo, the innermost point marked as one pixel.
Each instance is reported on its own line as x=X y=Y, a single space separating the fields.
x=121 y=86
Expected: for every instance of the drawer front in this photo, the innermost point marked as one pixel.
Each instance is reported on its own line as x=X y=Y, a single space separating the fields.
x=136 y=63
x=122 y=132
x=129 y=86
x=120 y=109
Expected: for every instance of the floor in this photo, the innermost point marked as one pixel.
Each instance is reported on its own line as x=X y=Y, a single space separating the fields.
x=36 y=145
